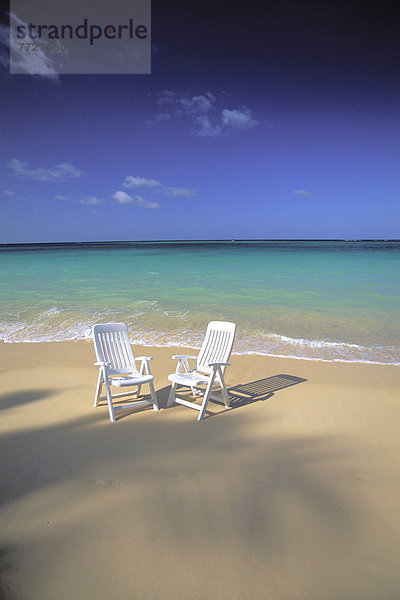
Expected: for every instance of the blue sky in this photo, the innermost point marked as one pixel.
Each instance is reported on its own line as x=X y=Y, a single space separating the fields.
x=279 y=122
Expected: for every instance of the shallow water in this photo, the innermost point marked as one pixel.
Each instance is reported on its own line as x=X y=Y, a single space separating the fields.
x=330 y=300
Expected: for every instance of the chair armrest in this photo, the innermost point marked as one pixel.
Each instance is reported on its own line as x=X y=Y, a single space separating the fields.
x=219 y=364
x=102 y=363
x=183 y=364
x=144 y=367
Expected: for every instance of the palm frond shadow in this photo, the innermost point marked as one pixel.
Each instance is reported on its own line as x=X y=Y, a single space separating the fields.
x=23 y=397
x=262 y=389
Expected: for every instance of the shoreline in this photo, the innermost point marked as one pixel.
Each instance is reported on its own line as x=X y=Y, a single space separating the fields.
x=292 y=493
x=197 y=348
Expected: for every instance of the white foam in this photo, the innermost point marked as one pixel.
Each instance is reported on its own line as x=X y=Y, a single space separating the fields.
x=341 y=360
x=184 y=330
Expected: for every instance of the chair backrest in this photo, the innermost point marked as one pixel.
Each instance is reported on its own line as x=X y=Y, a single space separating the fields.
x=111 y=343
x=217 y=345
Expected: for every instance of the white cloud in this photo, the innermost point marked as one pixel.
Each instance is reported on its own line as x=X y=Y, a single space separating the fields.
x=154 y=185
x=91 y=200
x=9 y=193
x=31 y=63
x=186 y=103
x=226 y=122
x=206 y=128
x=59 y=197
x=198 y=104
x=238 y=119
x=133 y=182
x=205 y=114
x=124 y=198
x=301 y=193
x=60 y=172
x=150 y=205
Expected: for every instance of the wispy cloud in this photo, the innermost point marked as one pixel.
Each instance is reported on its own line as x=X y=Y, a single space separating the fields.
x=41 y=63
x=60 y=172
x=122 y=197
x=91 y=200
x=178 y=191
x=301 y=192
x=196 y=105
x=205 y=114
x=135 y=182
x=14 y=197
x=205 y=127
x=185 y=103
x=159 y=117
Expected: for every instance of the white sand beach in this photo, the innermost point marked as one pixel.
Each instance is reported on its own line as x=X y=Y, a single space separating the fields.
x=291 y=494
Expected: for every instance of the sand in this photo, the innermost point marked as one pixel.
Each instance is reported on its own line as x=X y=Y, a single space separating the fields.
x=292 y=494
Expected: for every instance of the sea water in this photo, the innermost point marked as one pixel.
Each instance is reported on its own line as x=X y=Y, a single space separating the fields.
x=324 y=300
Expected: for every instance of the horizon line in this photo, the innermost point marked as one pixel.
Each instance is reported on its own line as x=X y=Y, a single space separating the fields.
x=228 y=240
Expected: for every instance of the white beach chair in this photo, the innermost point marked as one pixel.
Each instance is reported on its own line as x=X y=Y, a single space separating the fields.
x=209 y=368
x=118 y=367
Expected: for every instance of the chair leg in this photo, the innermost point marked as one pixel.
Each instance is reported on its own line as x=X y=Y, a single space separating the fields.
x=225 y=394
x=154 y=396
x=207 y=394
x=221 y=382
x=109 y=402
x=171 y=397
x=98 y=389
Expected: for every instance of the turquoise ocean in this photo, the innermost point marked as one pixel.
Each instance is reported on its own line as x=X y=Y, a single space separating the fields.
x=323 y=300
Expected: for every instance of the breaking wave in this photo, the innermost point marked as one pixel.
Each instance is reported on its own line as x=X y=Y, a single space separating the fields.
x=149 y=325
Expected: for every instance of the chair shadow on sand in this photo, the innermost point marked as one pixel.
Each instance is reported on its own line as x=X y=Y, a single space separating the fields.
x=242 y=394
x=262 y=389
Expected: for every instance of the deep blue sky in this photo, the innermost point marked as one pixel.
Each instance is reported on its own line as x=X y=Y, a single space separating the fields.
x=273 y=122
